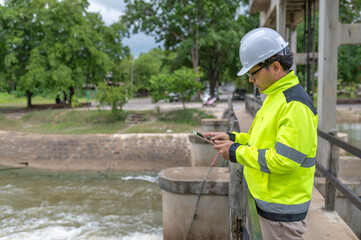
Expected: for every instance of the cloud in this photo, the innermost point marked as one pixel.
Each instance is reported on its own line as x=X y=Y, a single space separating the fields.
x=111 y=10
x=111 y=4
x=108 y=12
x=140 y=43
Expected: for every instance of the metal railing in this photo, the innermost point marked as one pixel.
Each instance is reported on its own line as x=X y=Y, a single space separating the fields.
x=332 y=182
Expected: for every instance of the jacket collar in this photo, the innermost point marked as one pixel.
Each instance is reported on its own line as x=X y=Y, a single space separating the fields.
x=282 y=84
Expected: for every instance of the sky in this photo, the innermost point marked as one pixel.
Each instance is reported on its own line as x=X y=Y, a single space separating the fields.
x=111 y=10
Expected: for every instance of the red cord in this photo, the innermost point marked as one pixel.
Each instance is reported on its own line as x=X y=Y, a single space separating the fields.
x=215 y=159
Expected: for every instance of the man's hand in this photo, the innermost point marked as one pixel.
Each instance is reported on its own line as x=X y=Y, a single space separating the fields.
x=223 y=147
x=216 y=135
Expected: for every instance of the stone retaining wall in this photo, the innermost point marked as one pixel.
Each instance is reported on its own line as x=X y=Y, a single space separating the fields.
x=95 y=151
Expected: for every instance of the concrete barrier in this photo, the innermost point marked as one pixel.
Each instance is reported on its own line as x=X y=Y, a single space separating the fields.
x=202 y=153
x=349 y=167
x=345 y=209
x=180 y=189
x=325 y=225
x=344 y=137
x=95 y=151
x=215 y=125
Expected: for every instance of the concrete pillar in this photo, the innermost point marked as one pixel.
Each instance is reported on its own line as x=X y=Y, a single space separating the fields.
x=281 y=18
x=181 y=187
x=327 y=71
x=344 y=137
x=215 y=125
x=293 y=43
x=202 y=153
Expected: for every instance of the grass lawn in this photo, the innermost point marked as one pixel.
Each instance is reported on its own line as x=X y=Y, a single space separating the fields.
x=100 y=121
x=13 y=101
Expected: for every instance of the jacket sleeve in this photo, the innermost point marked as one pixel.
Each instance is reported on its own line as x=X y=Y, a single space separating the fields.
x=241 y=138
x=295 y=139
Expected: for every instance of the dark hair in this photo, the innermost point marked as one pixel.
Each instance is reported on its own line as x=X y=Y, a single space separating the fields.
x=286 y=61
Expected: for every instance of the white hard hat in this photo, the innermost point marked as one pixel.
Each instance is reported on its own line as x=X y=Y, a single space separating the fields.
x=259 y=45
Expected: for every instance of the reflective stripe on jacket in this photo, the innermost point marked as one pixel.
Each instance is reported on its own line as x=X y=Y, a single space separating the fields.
x=279 y=151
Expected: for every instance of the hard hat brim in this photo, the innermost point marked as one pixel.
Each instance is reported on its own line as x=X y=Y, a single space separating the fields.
x=243 y=71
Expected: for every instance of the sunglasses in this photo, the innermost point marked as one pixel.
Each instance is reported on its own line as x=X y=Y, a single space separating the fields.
x=252 y=74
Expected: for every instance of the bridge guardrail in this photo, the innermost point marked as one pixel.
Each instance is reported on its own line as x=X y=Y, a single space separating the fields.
x=332 y=182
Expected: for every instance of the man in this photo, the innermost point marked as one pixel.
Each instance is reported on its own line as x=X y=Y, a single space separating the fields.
x=278 y=152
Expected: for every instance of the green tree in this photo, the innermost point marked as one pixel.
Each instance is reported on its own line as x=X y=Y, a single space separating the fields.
x=21 y=33
x=204 y=32
x=75 y=46
x=138 y=72
x=182 y=82
x=145 y=66
x=159 y=87
x=56 y=45
x=219 y=51
x=115 y=96
x=174 y=22
x=349 y=56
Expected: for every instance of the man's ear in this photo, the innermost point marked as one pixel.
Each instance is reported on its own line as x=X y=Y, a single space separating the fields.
x=276 y=66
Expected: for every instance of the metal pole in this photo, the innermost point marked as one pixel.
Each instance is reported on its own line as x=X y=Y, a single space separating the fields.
x=308 y=47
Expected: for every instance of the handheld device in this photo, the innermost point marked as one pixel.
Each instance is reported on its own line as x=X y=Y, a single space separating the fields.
x=200 y=135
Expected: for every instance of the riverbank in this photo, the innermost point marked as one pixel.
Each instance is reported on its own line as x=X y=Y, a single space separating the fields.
x=348 y=113
x=99 y=152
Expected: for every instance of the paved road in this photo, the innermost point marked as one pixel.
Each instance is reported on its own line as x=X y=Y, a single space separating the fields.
x=145 y=104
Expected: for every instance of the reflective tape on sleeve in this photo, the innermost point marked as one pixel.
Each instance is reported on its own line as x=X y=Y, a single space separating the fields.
x=262 y=160
x=309 y=162
x=290 y=153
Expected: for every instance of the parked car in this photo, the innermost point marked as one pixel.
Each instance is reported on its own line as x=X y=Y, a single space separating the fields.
x=239 y=94
x=173 y=97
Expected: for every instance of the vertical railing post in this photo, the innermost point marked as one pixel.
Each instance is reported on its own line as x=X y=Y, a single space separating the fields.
x=237 y=201
x=333 y=169
x=236 y=194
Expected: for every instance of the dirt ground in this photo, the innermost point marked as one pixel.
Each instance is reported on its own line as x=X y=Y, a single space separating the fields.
x=348 y=113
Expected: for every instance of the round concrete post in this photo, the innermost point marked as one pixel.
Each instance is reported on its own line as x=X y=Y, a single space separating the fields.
x=181 y=187
x=344 y=137
x=202 y=153
x=214 y=125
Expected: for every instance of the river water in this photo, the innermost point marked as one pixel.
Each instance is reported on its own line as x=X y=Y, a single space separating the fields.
x=353 y=130
x=125 y=205
x=43 y=205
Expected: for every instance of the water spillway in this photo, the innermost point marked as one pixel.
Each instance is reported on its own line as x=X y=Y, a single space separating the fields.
x=79 y=205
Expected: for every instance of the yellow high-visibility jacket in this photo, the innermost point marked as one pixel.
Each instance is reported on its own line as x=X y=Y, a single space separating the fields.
x=279 y=152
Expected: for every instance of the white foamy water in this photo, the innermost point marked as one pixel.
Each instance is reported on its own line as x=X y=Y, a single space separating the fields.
x=142 y=178
x=61 y=233
x=76 y=207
